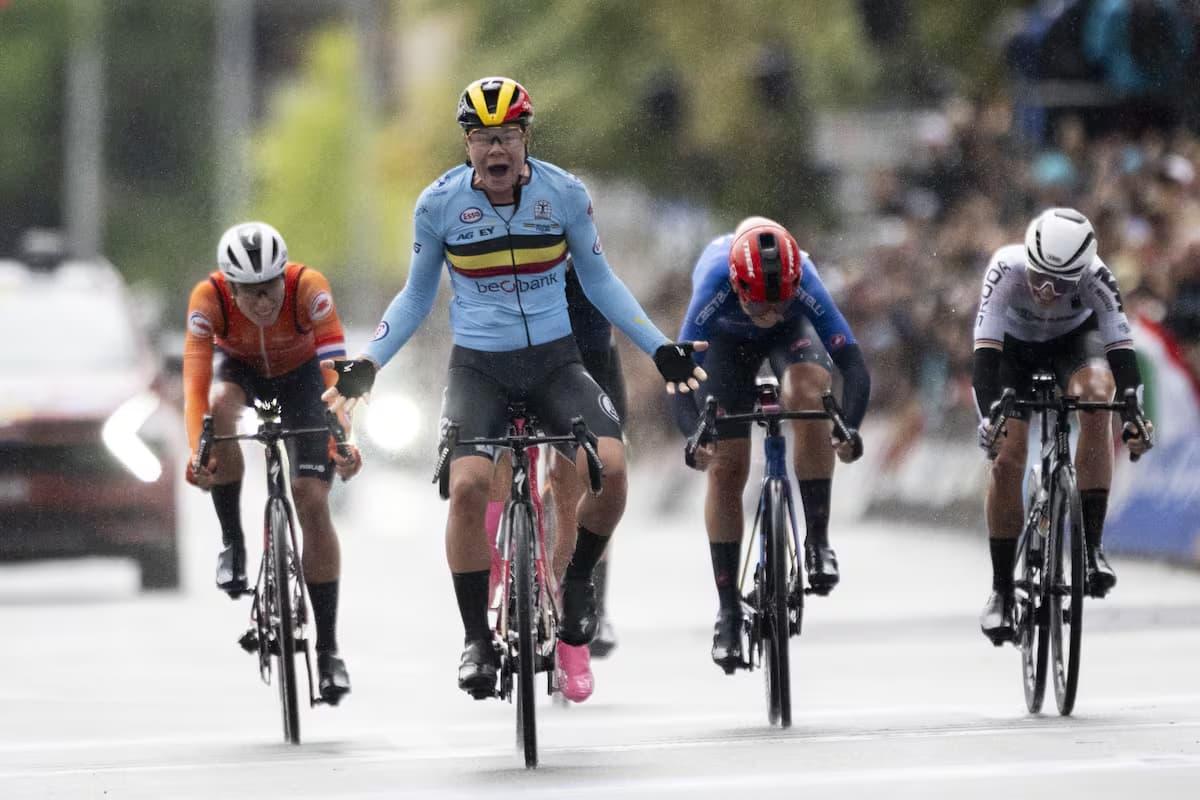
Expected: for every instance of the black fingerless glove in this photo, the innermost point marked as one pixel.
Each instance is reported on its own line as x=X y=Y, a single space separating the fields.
x=674 y=361
x=354 y=378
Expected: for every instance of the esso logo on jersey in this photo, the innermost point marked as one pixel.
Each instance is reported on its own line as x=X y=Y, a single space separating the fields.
x=320 y=307
x=200 y=325
x=381 y=331
x=471 y=214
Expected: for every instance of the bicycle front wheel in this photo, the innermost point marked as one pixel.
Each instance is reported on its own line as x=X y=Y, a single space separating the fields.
x=283 y=614
x=523 y=545
x=775 y=609
x=1066 y=604
x=1031 y=628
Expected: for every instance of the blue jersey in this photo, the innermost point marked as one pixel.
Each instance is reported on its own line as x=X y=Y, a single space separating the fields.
x=507 y=266
x=715 y=312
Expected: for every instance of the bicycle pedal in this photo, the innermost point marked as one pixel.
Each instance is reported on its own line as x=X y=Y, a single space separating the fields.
x=249 y=641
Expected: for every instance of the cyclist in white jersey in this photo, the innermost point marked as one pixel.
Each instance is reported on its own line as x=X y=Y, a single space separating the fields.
x=1050 y=304
x=503 y=226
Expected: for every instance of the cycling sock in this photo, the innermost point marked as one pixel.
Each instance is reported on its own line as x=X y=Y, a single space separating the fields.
x=588 y=549
x=725 y=572
x=1004 y=555
x=324 y=597
x=471 y=591
x=814 y=495
x=227 y=500
x=600 y=577
x=1095 y=506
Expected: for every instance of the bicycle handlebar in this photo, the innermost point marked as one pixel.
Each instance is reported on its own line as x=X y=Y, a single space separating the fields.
x=1129 y=408
x=710 y=424
x=268 y=432
x=580 y=436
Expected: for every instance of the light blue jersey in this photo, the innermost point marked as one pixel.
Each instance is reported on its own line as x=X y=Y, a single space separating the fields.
x=507 y=266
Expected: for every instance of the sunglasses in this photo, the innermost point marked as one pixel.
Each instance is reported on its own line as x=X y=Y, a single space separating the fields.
x=1049 y=287
x=508 y=137
x=758 y=308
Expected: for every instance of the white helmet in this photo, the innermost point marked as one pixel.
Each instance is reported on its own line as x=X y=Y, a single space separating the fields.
x=1060 y=243
x=252 y=252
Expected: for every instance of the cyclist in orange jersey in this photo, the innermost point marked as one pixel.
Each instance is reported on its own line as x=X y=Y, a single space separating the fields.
x=268 y=322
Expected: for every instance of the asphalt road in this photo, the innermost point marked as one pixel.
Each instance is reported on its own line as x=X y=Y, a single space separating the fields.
x=110 y=694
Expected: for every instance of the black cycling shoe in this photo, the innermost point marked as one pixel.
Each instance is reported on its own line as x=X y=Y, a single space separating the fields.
x=579 y=618
x=335 y=681
x=605 y=641
x=821 y=563
x=477 y=669
x=997 y=619
x=231 y=570
x=727 y=640
x=1100 y=576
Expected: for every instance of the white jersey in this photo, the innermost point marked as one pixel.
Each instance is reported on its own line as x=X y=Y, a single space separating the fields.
x=1007 y=306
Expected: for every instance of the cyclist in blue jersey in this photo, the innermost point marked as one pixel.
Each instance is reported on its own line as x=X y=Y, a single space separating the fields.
x=504 y=224
x=756 y=297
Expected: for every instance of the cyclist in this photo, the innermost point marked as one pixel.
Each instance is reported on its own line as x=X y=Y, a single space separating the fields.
x=757 y=297
x=268 y=321
x=504 y=224
x=1051 y=304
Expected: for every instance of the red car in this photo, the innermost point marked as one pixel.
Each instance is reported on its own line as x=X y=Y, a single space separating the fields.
x=88 y=448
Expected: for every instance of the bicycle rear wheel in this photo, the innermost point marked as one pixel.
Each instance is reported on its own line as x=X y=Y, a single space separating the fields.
x=1066 y=603
x=775 y=609
x=283 y=620
x=523 y=577
x=1031 y=638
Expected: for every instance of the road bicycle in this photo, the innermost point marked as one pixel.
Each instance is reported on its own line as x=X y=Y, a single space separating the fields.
x=526 y=619
x=1051 y=576
x=773 y=609
x=279 y=608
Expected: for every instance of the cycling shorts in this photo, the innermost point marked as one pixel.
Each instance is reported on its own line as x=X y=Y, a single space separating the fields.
x=1063 y=355
x=733 y=364
x=299 y=395
x=549 y=378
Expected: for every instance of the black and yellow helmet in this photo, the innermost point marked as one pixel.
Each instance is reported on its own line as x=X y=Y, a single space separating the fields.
x=488 y=102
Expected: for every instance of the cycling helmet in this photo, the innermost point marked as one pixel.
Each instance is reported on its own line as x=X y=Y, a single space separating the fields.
x=252 y=252
x=1061 y=243
x=764 y=262
x=488 y=102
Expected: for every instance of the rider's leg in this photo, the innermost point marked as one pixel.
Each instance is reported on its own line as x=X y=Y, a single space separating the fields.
x=812 y=460
x=723 y=518
x=1094 y=466
x=226 y=402
x=497 y=499
x=1005 y=518
x=565 y=492
x=469 y=557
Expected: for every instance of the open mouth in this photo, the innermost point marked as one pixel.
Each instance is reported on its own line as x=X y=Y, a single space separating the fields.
x=498 y=170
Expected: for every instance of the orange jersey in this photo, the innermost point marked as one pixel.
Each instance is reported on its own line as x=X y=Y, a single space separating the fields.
x=307 y=326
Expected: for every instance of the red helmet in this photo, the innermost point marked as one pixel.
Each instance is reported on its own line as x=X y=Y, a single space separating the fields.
x=764 y=262
x=488 y=102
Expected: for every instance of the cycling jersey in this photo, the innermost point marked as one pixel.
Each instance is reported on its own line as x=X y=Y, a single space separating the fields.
x=715 y=314
x=307 y=327
x=507 y=266
x=1007 y=306
x=715 y=311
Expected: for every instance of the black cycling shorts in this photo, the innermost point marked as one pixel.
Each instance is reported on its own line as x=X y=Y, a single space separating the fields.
x=733 y=364
x=549 y=378
x=1063 y=355
x=299 y=395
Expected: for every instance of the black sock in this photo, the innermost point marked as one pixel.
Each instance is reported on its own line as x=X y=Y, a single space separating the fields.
x=600 y=577
x=324 y=597
x=725 y=573
x=227 y=500
x=471 y=590
x=1095 y=506
x=588 y=549
x=814 y=496
x=1004 y=555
